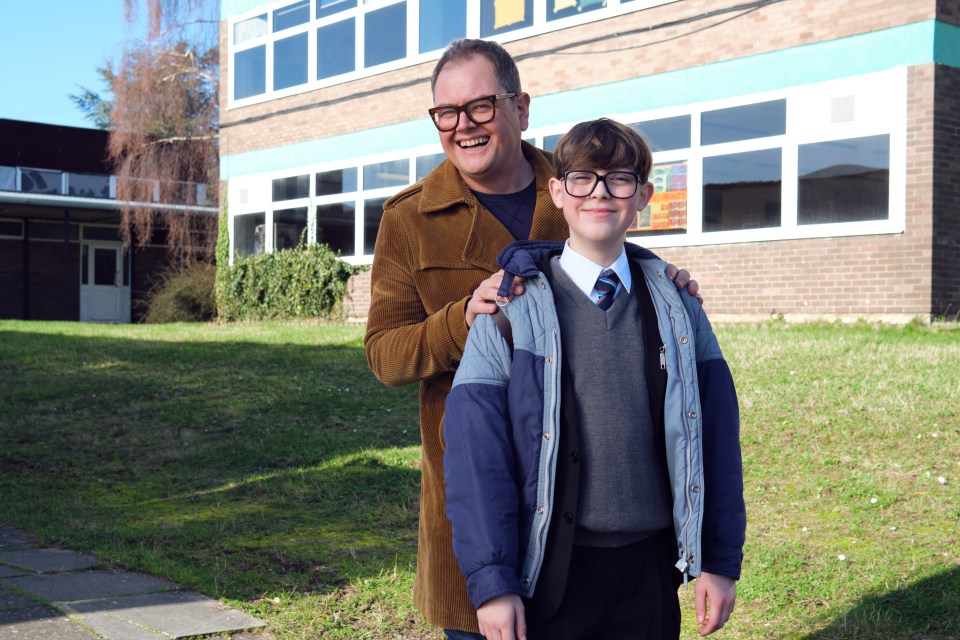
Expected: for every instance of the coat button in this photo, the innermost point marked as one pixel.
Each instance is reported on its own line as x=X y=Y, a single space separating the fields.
x=683 y=339
x=546 y=436
x=695 y=488
x=692 y=415
x=540 y=510
x=549 y=359
x=568 y=517
x=574 y=457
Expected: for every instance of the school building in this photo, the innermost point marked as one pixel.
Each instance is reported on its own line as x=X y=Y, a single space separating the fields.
x=805 y=150
x=61 y=250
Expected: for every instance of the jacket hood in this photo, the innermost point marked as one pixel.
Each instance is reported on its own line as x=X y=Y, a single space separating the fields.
x=523 y=258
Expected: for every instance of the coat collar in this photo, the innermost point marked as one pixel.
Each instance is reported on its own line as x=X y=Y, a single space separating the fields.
x=443 y=192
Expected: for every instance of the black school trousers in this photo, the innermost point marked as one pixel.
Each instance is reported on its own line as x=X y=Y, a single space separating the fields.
x=618 y=593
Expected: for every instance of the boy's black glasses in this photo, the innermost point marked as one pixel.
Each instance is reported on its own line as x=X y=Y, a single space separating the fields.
x=479 y=111
x=619 y=184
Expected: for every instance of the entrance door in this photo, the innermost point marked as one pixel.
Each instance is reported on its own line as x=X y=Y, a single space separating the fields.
x=104 y=283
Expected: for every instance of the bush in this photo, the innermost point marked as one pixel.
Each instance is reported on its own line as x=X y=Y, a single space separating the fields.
x=305 y=282
x=182 y=295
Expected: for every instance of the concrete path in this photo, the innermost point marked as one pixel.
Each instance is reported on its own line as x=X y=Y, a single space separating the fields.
x=58 y=594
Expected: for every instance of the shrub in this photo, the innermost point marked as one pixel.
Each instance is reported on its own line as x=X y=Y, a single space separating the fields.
x=182 y=295
x=305 y=282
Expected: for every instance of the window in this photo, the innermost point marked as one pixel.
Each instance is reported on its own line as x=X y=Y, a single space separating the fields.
x=565 y=8
x=288 y=228
x=666 y=134
x=110 y=234
x=291 y=188
x=372 y=213
x=426 y=164
x=291 y=16
x=337 y=181
x=88 y=185
x=335 y=225
x=395 y=173
x=330 y=7
x=440 y=22
x=53 y=231
x=290 y=62
x=250 y=72
x=335 y=49
x=844 y=181
x=248 y=234
x=744 y=123
x=742 y=190
x=40 y=181
x=385 y=39
x=501 y=16
x=8 y=178
x=11 y=229
x=250 y=29
x=667 y=211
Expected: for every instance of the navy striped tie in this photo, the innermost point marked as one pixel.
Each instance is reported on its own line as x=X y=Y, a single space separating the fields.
x=606 y=287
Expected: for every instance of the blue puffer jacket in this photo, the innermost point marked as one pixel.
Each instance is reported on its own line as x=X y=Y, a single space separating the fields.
x=503 y=421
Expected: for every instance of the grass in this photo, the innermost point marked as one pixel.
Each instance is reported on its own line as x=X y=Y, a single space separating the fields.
x=264 y=465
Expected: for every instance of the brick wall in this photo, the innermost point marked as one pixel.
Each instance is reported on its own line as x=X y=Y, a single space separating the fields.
x=946 y=194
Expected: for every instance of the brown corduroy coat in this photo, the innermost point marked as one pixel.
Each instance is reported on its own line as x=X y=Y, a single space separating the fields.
x=436 y=244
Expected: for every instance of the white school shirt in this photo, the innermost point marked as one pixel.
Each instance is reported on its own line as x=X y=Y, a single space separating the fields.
x=584 y=271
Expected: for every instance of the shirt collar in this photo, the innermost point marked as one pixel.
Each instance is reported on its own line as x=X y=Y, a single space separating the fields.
x=584 y=272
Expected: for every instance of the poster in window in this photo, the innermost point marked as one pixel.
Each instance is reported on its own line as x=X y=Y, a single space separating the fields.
x=667 y=210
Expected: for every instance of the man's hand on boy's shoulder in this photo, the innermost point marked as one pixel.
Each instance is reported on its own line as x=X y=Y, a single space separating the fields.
x=484 y=299
x=681 y=278
x=502 y=618
x=715 y=597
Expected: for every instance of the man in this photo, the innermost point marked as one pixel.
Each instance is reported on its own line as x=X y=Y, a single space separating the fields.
x=435 y=270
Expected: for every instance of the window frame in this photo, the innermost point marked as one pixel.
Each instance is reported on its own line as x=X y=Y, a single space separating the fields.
x=883 y=96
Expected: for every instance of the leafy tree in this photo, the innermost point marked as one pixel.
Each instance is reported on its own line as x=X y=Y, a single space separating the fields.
x=96 y=107
x=164 y=125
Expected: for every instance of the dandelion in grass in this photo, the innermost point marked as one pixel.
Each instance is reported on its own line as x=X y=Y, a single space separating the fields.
x=841 y=557
x=873 y=501
x=942 y=480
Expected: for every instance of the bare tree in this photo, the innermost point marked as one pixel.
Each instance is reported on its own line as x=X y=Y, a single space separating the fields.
x=164 y=121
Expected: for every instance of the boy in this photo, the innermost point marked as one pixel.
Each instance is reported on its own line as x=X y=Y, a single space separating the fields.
x=596 y=448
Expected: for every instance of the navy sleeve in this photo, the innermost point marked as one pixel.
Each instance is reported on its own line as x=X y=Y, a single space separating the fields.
x=479 y=468
x=724 y=512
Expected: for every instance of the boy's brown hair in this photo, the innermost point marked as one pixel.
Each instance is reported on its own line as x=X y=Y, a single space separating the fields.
x=603 y=144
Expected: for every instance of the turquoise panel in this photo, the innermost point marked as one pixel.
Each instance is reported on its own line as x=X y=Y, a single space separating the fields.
x=946 y=44
x=907 y=45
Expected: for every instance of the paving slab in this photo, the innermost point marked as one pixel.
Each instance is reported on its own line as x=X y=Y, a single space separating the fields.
x=9 y=572
x=48 y=560
x=11 y=538
x=87 y=585
x=170 y=614
x=11 y=600
x=40 y=623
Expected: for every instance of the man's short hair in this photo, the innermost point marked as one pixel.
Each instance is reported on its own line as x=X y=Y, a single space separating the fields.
x=463 y=49
x=603 y=144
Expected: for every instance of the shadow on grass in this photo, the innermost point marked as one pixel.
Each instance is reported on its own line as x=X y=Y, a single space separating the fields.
x=925 y=610
x=235 y=468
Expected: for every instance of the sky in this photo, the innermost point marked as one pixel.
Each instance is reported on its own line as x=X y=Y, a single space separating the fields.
x=50 y=49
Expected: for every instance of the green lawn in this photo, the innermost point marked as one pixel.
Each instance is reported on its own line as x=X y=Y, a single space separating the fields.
x=263 y=464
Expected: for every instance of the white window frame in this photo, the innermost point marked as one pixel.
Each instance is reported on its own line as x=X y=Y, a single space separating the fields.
x=883 y=96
